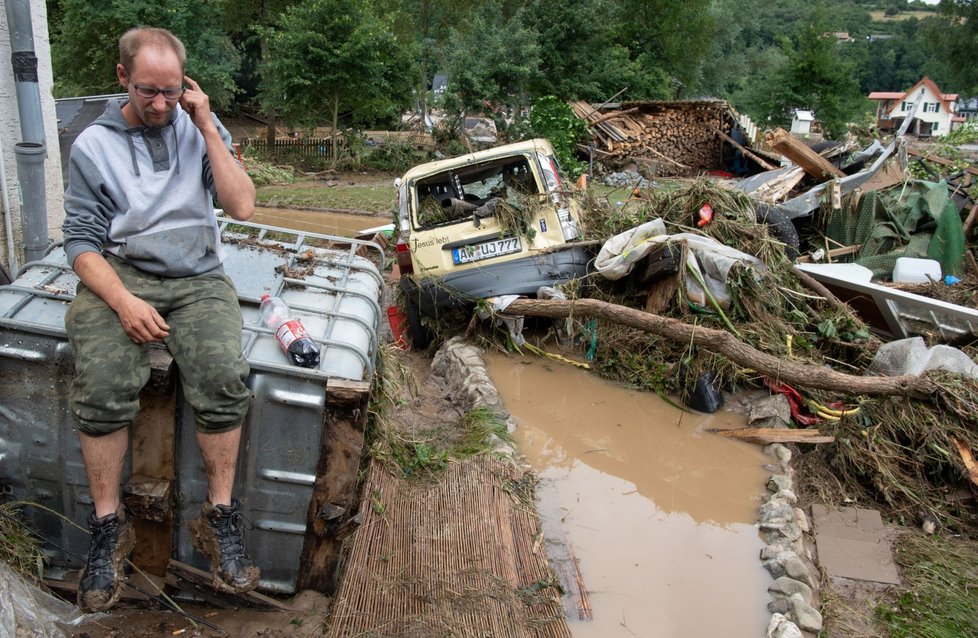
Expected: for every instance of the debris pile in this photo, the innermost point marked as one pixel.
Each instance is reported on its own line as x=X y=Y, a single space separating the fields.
x=680 y=138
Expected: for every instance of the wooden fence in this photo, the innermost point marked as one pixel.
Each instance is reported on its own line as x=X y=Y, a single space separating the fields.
x=292 y=147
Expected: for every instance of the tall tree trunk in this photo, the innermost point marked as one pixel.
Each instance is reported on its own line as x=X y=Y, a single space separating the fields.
x=336 y=123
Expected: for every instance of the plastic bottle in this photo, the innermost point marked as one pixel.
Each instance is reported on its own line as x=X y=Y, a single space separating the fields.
x=290 y=333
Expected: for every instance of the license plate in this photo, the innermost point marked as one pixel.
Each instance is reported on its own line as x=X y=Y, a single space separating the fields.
x=486 y=249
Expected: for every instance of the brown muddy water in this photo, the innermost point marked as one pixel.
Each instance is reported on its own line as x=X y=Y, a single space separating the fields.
x=314 y=221
x=660 y=513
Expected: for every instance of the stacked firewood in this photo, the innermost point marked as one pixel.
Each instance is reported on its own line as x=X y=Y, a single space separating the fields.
x=678 y=138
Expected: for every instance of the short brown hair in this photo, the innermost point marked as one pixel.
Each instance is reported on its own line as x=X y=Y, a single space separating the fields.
x=136 y=38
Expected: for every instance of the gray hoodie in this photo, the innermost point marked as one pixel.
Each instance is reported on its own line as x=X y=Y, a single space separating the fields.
x=144 y=195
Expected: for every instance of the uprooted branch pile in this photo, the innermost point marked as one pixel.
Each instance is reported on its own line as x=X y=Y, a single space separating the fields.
x=900 y=452
x=679 y=138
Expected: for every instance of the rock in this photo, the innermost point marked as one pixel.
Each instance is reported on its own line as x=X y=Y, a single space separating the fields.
x=780 y=452
x=777 y=550
x=779 y=482
x=786 y=586
x=775 y=510
x=790 y=531
x=805 y=616
x=797 y=569
x=771 y=412
x=776 y=568
x=779 y=606
x=787 y=496
x=801 y=519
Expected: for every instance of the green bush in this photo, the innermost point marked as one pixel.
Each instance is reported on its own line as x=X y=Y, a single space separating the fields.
x=554 y=120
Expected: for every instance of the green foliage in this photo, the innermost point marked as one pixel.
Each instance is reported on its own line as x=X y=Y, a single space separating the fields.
x=554 y=120
x=264 y=174
x=85 y=44
x=958 y=33
x=394 y=157
x=492 y=58
x=329 y=60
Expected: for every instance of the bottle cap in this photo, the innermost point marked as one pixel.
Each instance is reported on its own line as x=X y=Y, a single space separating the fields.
x=265 y=296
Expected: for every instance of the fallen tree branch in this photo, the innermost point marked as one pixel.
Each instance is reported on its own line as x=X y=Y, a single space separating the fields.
x=723 y=343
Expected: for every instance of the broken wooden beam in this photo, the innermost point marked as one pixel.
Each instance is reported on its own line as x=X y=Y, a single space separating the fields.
x=743 y=149
x=765 y=436
x=184 y=575
x=794 y=149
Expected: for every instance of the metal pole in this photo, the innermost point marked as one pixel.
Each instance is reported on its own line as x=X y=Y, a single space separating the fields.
x=31 y=152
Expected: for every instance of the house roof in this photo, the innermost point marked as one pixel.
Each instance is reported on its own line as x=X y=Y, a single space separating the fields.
x=946 y=98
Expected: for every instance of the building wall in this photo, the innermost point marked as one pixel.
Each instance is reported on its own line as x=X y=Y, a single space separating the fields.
x=10 y=134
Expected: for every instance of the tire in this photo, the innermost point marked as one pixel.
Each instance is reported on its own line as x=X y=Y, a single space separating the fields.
x=419 y=334
x=781 y=228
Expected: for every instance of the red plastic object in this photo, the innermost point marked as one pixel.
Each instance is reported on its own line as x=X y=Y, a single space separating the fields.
x=396 y=319
x=705 y=215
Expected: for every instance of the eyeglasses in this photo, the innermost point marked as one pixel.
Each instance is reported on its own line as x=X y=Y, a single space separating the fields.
x=149 y=92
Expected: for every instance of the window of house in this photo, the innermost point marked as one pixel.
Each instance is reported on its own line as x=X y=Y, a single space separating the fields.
x=905 y=106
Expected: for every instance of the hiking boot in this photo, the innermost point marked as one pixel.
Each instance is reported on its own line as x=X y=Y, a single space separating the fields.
x=216 y=534
x=104 y=575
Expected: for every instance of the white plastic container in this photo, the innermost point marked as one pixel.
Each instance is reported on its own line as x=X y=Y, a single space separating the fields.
x=909 y=270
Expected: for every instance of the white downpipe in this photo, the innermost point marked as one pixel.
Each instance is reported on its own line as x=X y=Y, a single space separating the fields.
x=8 y=222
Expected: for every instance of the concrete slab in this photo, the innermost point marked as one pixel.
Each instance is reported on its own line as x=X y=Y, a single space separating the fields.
x=854 y=543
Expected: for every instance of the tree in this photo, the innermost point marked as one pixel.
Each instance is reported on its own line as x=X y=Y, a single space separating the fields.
x=338 y=59
x=669 y=40
x=85 y=44
x=816 y=77
x=578 y=54
x=493 y=58
x=957 y=33
x=426 y=23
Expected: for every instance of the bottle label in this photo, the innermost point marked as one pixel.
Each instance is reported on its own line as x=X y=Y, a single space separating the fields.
x=289 y=332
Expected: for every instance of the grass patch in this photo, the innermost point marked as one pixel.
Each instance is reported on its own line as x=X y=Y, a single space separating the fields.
x=880 y=16
x=425 y=454
x=18 y=547
x=375 y=195
x=941 y=597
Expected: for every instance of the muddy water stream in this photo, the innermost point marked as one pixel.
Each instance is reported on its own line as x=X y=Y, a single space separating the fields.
x=660 y=514
x=313 y=221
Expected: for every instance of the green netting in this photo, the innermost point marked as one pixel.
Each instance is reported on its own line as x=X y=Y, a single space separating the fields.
x=917 y=219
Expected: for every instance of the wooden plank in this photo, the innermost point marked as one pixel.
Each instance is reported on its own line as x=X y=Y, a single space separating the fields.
x=814 y=164
x=831 y=254
x=765 y=165
x=966 y=227
x=765 y=436
x=343 y=391
x=335 y=493
x=153 y=449
x=183 y=575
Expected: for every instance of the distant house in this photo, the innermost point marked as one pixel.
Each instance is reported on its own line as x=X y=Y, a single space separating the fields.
x=439 y=84
x=936 y=114
x=801 y=122
x=968 y=108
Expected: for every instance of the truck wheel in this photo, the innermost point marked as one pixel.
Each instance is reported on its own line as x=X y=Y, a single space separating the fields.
x=417 y=331
x=782 y=228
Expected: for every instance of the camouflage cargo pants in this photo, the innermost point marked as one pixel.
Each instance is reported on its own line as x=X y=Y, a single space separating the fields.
x=205 y=341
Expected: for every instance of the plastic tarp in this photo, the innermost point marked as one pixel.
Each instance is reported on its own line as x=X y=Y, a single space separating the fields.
x=28 y=612
x=917 y=219
x=707 y=258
